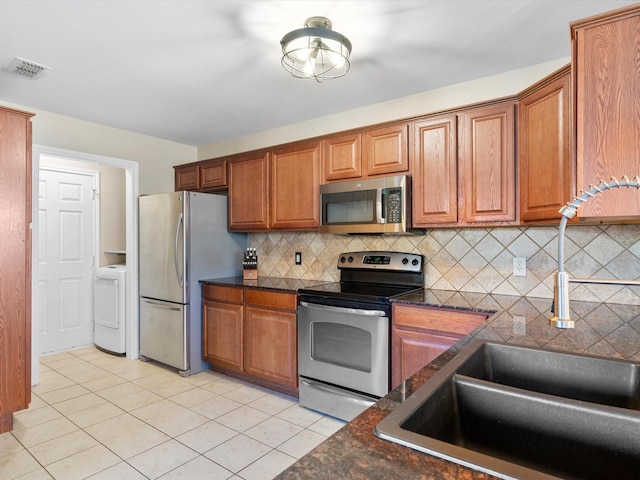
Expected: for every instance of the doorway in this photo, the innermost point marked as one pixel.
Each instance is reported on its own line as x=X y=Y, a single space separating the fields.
x=131 y=241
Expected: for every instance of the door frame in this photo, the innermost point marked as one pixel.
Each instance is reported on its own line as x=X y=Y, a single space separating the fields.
x=95 y=236
x=132 y=191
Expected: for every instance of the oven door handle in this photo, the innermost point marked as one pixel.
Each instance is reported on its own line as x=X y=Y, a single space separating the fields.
x=350 y=397
x=352 y=311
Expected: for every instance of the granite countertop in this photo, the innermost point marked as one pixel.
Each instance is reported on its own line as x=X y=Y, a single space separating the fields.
x=290 y=285
x=354 y=452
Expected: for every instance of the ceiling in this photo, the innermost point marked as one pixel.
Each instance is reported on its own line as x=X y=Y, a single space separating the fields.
x=201 y=72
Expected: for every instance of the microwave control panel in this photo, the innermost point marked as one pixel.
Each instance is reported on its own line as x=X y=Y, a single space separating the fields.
x=393 y=204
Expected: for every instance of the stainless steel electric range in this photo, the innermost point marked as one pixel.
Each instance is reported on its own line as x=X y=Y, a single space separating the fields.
x=344 y=340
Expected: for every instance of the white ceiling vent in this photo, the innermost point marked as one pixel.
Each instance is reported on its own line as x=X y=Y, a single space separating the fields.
x=26 y=68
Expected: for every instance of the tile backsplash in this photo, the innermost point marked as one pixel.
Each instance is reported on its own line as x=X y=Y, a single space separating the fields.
x=476 y=259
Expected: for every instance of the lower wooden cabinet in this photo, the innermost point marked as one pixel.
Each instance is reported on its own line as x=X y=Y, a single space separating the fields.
x=251 y=333
x=270 y=345
x=420 y=334
x=222 y=334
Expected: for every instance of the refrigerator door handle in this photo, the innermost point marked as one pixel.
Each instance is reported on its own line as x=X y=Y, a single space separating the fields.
x=177 y=262
x=161 y=305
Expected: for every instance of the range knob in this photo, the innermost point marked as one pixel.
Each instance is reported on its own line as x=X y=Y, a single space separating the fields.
x=415 y=262
x=343 y=259
x=350 y=259
x=405 y=260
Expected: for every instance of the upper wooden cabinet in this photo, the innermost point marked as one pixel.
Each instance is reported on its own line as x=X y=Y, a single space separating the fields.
x=295 y=187
x=464 y=168
x=277 y=190
x=486 y=165
x=15 y=264
x=379 y=151
x=249 y=193
x=213 y=174
x=342 y=157
x=207 y=175
x=547 y=170
x=607 y=89
x=386 y=150
x=186 y=177
x=435 y=171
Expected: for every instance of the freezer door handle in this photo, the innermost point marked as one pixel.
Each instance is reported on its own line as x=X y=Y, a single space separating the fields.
x=179 y=274
x=161 y=305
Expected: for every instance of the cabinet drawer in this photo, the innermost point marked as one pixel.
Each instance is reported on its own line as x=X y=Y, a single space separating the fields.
x=436 y=319
x=222 y=293
x=281 y=300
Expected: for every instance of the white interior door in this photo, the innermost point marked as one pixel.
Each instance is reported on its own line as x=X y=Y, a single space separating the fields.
x=66 y=219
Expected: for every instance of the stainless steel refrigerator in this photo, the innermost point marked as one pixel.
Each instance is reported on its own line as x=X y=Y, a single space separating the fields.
x=183 y=239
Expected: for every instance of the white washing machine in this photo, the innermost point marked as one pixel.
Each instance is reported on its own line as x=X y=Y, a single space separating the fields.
x=109 y=308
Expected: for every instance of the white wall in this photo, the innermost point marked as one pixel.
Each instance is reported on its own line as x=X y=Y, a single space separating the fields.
x=483 y=89
x=156 y=157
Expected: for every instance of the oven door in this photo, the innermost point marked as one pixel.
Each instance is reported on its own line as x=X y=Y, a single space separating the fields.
x=344 y=346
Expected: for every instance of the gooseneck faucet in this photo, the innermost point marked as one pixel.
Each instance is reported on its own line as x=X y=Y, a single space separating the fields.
x=561 y=278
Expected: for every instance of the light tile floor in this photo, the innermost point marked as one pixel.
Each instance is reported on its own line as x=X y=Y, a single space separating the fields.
x=99 y=416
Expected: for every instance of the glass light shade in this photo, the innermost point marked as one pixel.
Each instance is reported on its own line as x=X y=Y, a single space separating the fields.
x=316 y=51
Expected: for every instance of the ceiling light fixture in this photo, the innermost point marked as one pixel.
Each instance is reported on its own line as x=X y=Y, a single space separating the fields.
x=316 y=51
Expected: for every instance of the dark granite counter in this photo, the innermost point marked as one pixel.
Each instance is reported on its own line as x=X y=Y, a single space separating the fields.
x=290 y=285
x=354 y=452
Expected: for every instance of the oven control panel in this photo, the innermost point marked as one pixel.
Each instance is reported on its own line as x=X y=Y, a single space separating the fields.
x=407 y=262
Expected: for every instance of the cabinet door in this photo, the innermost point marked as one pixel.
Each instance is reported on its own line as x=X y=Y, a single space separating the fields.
x=15 y=264
x=295 y=188
x=412 y=350
x=607 y=86
x=249 y=194
x=435 y=181
x=544 y=132
x=420 y=334
x=487 y=165
x=342 y=157
x=186 y=177
x=222 y=339
x=270 y=351
x=386 y=150
x=213 y=174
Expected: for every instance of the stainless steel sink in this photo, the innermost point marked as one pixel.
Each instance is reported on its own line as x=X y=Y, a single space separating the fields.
x=526 y=413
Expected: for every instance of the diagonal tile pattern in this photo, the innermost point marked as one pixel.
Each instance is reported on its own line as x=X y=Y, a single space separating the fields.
x=103 y=417
x=477 y=260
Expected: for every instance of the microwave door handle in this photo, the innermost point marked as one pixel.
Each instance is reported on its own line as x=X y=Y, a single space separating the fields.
x=381 y=206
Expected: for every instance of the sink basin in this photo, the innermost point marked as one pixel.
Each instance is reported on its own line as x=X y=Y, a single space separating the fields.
x=526 y=413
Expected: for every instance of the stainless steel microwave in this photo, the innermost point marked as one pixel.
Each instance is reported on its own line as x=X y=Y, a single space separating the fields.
x=373 y=205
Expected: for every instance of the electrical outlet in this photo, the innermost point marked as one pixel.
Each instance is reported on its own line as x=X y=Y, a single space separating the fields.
x=519 y=267
x=519 y=325
x=298 y=258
